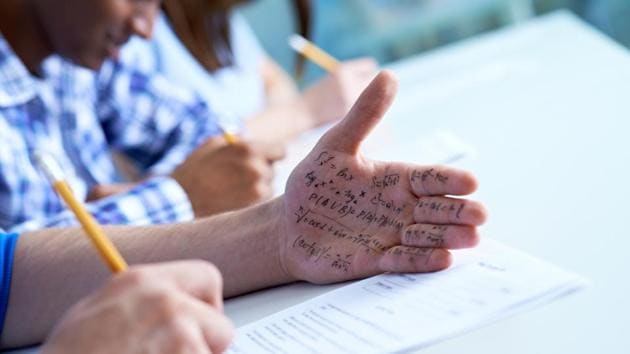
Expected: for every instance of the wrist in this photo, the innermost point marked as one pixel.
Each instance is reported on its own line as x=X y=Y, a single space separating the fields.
x=255 y=241
x=273 y=233
x=184 y=184
x=277 y=210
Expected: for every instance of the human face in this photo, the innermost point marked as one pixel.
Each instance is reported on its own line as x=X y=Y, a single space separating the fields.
x=89 y=31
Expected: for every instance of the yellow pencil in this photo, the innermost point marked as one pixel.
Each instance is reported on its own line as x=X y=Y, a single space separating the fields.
x=105 y=247
x=313 y=53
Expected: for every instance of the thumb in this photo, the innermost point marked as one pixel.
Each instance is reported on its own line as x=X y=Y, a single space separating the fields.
x=347 y=135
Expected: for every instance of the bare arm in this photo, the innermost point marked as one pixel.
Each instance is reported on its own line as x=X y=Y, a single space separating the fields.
x=342 y=217
x=54 y=268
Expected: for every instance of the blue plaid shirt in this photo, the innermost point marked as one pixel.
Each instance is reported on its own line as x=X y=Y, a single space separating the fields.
x=79 y=117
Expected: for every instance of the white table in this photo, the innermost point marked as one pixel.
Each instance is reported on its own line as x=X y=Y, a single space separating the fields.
x=547 y=107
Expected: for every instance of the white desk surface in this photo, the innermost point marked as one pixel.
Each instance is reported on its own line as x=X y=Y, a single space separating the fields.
x=547 y=107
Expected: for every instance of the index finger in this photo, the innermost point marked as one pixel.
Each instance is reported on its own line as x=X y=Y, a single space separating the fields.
x=441 y=180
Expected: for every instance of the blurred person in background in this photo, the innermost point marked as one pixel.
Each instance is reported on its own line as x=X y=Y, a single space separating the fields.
x=61 y=92
x=208 y=47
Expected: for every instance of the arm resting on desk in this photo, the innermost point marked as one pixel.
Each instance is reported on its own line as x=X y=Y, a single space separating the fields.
x=342 y=217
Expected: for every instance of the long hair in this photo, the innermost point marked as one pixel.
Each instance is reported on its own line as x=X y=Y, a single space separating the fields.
x=203 y=26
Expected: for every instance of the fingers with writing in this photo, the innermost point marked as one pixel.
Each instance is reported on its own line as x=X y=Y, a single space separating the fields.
x=413 y=259
x=441 y=180
x=440 y=236
x=445 y=210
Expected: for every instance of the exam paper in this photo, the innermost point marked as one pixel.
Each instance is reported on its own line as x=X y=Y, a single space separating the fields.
x=401 y=312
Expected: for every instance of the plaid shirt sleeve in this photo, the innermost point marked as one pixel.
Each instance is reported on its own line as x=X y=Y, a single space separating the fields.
x=156 y=126
x=158 y=200
x=154 y=123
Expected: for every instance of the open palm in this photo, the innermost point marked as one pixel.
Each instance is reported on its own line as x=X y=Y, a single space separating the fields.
x=348 y=217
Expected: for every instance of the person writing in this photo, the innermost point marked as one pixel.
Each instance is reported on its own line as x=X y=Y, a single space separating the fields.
x=342 y=217
x=206 y=46
x=52 y=99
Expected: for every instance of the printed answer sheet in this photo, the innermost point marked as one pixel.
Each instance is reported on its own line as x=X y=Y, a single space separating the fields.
x=400 y=312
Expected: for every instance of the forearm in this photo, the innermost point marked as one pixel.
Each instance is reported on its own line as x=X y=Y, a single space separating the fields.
x=243 y=244
x=56 y=267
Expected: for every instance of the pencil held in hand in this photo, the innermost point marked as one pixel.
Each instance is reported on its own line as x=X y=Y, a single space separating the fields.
x=105 y=247
x=313 y=53
x=229 y=137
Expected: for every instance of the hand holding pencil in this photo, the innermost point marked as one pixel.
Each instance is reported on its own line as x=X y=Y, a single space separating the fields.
x=218 y=177
x=142 y=311
x=158 y=296
x=331 y=97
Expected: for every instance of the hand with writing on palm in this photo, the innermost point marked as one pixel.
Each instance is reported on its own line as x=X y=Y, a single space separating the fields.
x=348 y=217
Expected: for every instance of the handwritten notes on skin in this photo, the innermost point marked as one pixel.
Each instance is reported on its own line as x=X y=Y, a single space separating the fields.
x=396 y=312
x=350 y=216
x=436 y=147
